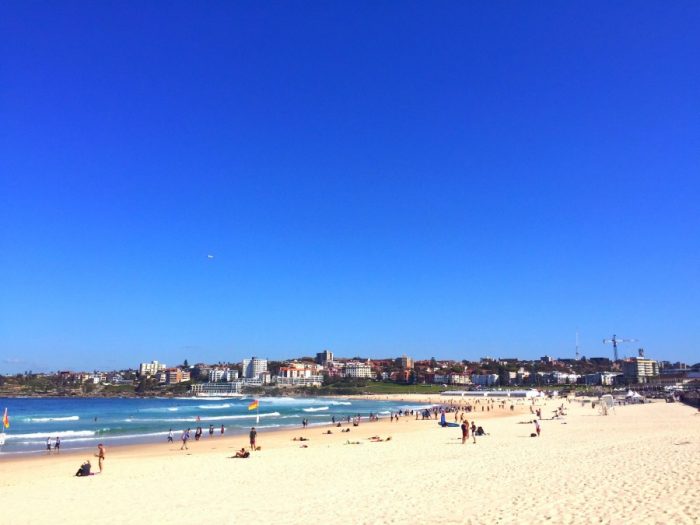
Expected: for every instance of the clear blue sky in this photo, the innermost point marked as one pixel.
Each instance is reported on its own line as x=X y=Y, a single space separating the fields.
x=446 y=179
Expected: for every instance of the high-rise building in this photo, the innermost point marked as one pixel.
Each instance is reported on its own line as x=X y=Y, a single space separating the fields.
x=324 y=357
x=639 y=369
x=253 y=367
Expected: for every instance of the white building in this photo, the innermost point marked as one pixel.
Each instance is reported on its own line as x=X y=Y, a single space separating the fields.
x=253 y=367
x=300 y=374
x=312 y=380
x=217 y=375
x=459 y=379
x=600 y=378
x=485 y=379
x=152 y=368
x=562 y=378
x=358 y=370
x=213 y=389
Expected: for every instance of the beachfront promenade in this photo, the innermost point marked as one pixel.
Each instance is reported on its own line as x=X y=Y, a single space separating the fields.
x=640 y=465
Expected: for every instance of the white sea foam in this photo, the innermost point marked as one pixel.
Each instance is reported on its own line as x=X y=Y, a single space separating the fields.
x=70 y=439
x=279 y=400
x=214 y=407
x=202 y=419
x=314 y=409
x=336 y=403
x=46 y=419
x=160 y=409
x=61 y=433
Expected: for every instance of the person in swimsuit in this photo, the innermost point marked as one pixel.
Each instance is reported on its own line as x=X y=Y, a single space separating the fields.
x=100 y=456
x=253 y=436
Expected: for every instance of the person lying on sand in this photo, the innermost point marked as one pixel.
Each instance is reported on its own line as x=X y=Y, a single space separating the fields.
x=348 y=442
x=377 y=439
x=243 y=453
x=345 y=430
x=302 y=438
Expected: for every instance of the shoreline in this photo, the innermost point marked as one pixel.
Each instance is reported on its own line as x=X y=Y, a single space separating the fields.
x=276 y=434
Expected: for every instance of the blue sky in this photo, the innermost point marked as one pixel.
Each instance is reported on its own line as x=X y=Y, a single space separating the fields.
x=447 y=179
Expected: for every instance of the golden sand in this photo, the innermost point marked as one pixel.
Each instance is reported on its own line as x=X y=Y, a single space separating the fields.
x=639 y=465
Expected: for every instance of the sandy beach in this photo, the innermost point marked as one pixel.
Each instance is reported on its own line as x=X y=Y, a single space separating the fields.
x=638 y=465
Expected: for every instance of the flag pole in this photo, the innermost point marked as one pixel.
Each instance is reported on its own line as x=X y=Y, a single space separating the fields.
x=257 y=414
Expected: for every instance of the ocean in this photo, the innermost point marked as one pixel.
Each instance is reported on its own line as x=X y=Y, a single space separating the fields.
x=81 y=423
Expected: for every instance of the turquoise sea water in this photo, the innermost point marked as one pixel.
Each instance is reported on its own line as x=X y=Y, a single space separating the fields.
x=84 y=422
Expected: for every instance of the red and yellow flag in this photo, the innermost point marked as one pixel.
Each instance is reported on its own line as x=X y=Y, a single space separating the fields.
x=254 y=405
x=5 y=420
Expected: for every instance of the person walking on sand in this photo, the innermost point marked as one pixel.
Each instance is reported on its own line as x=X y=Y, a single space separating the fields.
x=170 y=436
x=57 y=444
x=465 y=432
x=185 y=437
x=222 y=430
x=100 y=456
x=48 y=445
x=253 y=436
x=537 y=427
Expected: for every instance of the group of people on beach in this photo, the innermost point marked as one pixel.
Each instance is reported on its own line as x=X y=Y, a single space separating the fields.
x=185 y=436
x=56 y=446
x=460 y=412
x=85 y=468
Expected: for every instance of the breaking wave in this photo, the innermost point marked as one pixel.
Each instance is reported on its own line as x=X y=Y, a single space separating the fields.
x=202 y=419
x=52 y=435
x=45 y=419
